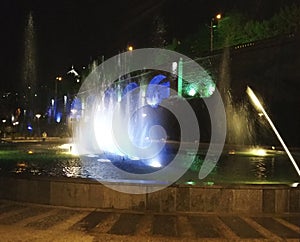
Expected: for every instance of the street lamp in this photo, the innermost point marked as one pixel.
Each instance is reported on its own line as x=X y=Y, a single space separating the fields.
x=130 y=48
x=212 y=26
x=38 y=123
x=57 y=79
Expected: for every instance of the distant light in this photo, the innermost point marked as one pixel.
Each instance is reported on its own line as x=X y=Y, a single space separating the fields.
x=58 y=78
x=295 y=184
x=130 y=48
x=191 y=89
x=218 y=16
x=190 y=183
x=192 y=92
x=30 y=152
x=29 y=127
x=258 y=152
x=231 y=152
x=273 y=147
x=35 y=95
x=3 y=120
x=144 y=115
x=38 y=115
x=69 y=148
x=52 y=102
x=58 y=118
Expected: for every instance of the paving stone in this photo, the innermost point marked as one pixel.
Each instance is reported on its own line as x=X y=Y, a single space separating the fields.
x=27 y=213
x=164 y=225
x=276 y=228
x=240 y=227
x=90 y=221
x=126 y=224
x=52 y=220
x=203 y=227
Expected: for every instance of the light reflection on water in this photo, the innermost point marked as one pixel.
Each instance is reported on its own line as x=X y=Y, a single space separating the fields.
x=233 y=167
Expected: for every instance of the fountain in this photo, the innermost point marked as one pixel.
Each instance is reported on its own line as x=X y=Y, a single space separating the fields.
x=261 y=109
x=125 y=123
x=29 y=65
x=240 y=126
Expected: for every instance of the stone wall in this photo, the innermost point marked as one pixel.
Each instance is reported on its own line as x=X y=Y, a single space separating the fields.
x=92 y=194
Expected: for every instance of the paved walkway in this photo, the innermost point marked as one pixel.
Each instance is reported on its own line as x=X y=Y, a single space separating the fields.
x=30 y=222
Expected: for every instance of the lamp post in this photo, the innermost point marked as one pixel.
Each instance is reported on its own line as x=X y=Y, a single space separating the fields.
x=212 y=26
x=57 y=79
x=38 y=123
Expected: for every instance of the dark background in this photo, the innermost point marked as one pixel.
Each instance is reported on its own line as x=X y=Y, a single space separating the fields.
x=71 y=32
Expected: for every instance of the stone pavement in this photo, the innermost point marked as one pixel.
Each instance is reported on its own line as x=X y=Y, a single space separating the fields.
x=31 y=222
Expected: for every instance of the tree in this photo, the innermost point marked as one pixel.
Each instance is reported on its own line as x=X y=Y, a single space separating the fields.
x=236 y=28
x=159 y=33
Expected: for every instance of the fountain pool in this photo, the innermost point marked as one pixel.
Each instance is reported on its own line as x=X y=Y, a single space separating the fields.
x=237 y=165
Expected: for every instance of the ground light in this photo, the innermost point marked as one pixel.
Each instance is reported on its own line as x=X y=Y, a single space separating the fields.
x=191 y=90
x=261 y=109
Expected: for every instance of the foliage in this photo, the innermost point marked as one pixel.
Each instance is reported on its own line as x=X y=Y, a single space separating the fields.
x=236 y=28
x=159 y=32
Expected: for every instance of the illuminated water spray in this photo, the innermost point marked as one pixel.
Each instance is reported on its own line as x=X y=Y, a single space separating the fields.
x=260 y=108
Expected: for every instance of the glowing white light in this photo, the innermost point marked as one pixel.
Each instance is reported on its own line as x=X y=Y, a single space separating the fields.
x=69 y=148
x=192 y=92
x=174 y=67
x=92 y=155
x=155 y=164
x=259 y=152
x=295 y=184
x=104 y=160
x=144 y=115
x=73 y=111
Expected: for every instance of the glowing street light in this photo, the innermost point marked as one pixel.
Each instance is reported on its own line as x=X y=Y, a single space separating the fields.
x=57 y=79
x=130 y=48
x=212 y=26
x=218 y=16
x=38 y=122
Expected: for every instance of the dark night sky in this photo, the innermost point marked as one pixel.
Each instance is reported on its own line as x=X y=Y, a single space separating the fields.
x=76 y=32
